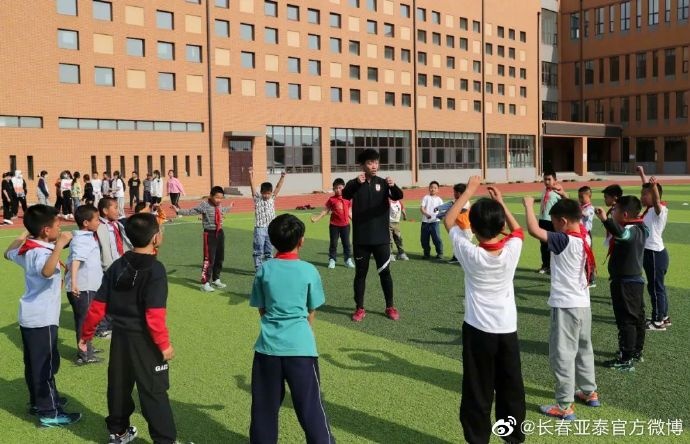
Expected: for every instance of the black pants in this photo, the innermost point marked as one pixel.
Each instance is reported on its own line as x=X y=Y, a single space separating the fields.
x=382 y=257
x=628 y=309
x=7 y=209
x=80 y=306
x=133 y=197
x=431 y=230
x=147 y=197
x=342 y=233
x=490 y=363
x=214 y=254
x=58 y=201
x=543 y=247
x=134 y=358
x=175 y=199
x=41 y=364
x=269 y=374
x=655 y=267
x=19 y=200
x=66 y=202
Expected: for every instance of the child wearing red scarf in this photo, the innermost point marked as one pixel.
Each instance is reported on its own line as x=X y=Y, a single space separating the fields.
x=553 y=191
x=490 y=350
x=570 y=333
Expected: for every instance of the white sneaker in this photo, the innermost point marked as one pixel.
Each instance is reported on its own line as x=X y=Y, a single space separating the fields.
x=350 y=263
x=218 y=283
x=403 y=257
x=392 y=258
x=8 y=222
x=207 y=287
x=331 y=264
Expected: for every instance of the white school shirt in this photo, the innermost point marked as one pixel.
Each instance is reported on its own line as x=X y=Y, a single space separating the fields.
x=430 y=204
x=569 y=284
x=118 y=188
x=656 y=224
x=97 y=191
x=489 y=292
x=39 y=306
x=84 y=248
x=395 y=211
x=588 y=216
x=156 y=187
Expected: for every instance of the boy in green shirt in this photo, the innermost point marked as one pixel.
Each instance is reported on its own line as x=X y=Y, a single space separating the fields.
x=286 y=291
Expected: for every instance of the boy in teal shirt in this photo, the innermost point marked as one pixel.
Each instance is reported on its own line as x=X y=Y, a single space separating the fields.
x=553 y=192
x=286 y=291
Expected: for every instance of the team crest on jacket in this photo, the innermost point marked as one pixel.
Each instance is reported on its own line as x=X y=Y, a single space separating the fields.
x=378 y=187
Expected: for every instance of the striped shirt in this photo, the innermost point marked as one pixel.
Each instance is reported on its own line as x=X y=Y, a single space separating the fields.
x=208 y=214
x=265 y=210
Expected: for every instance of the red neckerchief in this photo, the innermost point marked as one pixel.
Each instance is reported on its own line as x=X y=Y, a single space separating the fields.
x=662 y=203
x=289 y=256
x=118 y=238
x=612 y=241
x=496 y=246
x=590 y=263
x=544 y=200
x=28 y=245
x=219 y=219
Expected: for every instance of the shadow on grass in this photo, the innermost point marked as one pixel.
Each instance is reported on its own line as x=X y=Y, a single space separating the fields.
x=184 y=282
x=445 y=331
x=362 y=424
x=195 y=425
x=237 y=298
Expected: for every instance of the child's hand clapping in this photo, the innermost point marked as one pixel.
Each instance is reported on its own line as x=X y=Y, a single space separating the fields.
x=495 y=194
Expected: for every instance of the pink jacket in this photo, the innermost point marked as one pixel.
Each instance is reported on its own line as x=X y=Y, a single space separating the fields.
x=175 y=186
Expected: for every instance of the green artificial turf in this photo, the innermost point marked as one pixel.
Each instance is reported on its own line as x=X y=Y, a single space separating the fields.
x=383 y=381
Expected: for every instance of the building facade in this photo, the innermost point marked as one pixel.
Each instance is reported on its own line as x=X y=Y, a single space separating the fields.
x=209 y=88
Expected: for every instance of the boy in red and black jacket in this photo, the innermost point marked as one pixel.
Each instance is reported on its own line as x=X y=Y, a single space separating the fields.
x=134 y=293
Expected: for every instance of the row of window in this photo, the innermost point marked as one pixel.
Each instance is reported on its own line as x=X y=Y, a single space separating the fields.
x=624 y=12
x=105 y=76
x=128 y=125
x=21 y=122
x=670 y=65
x=669 y=100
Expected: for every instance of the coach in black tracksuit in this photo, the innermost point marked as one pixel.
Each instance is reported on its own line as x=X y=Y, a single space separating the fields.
x=370 y=196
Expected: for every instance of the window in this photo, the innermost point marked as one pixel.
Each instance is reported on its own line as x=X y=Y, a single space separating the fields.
x=68 y=39
x=521 y=151
x=464 y=84
x=585 y=25
x=346 y=143
x=670 y=61
x=638 y=108
x=681 y=105
x=272 y=90
x=248 y=60
x=294 y=65
x=247 y=32
x=501 y=51
x=421 y=79
x=270 y=8
x=523 y=91
x=489 y=49
x=655 y=64
x=614 y=68
x=463 y=23
x=313 y=16
x=641 y=65
x=294 y=91
x=549 y=27
x=69 y=73
x=371 y=26
x=355 y=96
x=477 y=66
x=625 y=109
x=436 y=38
x=450 y=41
x=135 y=47
x=354 y=72
x=421 y=58
x=437 y=103
x=575 y=26
x=448 y=150
x=334 y=20
x=405 y=56
x=223 y=85
x=389 y=53
x=388 y=30
x=371 y=5
x=638 y=14
x=270 y=35
x=450 y=62
x=501 y=32
x=450 y=103
x=511 y=53
x=652 y=107
x=523 y=36
x=436 y=81
x=549 y=74
x=549 y=110
x=389 y=98
x=354 y=47
x=404 y=10
x=599 y=21
x=601 y=70
x=336 y=94
x=353 y=3
x=421 y=36
x=293 y=149
x=166 y=81
x=477 y=105
x=589 y=72
x=336 y=45
x=625 y=16
x=21 y=122
x=612 y=18
x=476 y=26
x=667 y=106
x=315 y=67
x=436 y=17
x=293 y=12
x=314 y=41
x=653 y=12
x=222 y=28
x=373 y=74
x=406 y=100
x=501 y=70
x=683 y=9
x=421 y=14
x=511 y=34
x=489 y=88
x=193 y=53
x=511 y=71
x=627 y=67
x=686 y=58
x=512 y=109
x=464 y=43
x=166 y=51
x=667 y=11
x=164 y=20
x=575 y=111
x=104 y=76
x=102 y=10
x=221 y=4
x=496 y=150
x=477 y=86
x=67 y=7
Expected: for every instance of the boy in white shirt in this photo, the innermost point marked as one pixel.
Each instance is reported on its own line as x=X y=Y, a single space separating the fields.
x=490 y=352
x=429 y=209
x=655 y=261
x=97 y=184
x=397 y=211
x=118 y=192
x=570 y=334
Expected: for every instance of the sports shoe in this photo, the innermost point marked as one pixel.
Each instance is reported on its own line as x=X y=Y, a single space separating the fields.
x=218 y=284
x=392 y=313
x=127 y=436
x=656 y=326
x=358 y=315
x=7 y=222
x=92 y=360
x=105 y=334
x=636 y=357
x=452 y=260
x=392 y=258
x=207 y=287
x=403 y=257
x=350 y=263
x=556 y=411
x=543 y=270
x=667 y=322
x=592 y=400
x=331 y=263
x=59 y=420
x=620 y=365
x=62 y=401
x=593 y=285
